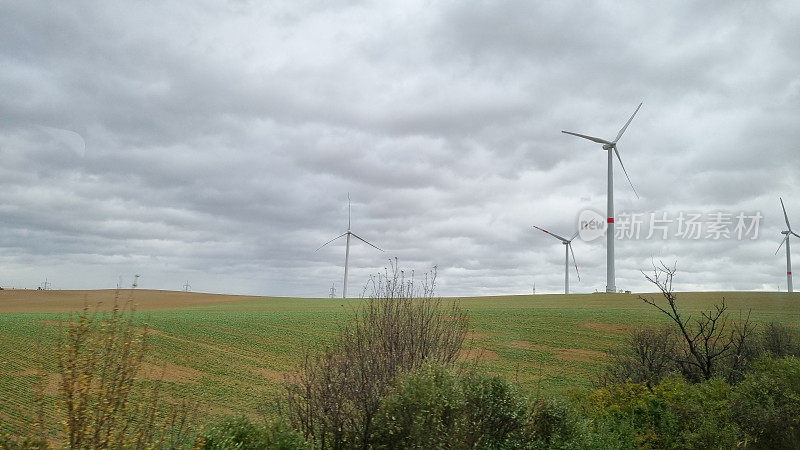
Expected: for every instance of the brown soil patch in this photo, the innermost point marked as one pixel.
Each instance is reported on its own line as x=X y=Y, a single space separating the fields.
x=55 y=323
x=272 y=375
x=33 y=301
x=610 y=327
x=52 y=384
x=169 y=372
x=154 y=332
x=471 y=335
x=480 y=354
x=520 y=344
x=577 y=354
x=564 y=354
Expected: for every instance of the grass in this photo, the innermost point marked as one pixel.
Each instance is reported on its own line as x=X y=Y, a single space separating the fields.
x=230 y=353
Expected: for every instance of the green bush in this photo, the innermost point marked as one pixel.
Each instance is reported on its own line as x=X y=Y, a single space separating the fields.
x=434 y=408
x=766 y=404
x=673 y=414
x=494 y=412
x=701 y=411
x=779 y=340
x=239 y=433
x=554 y=423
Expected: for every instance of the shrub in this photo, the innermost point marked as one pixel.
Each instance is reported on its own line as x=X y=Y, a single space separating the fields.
x=494 y=411
x=335 y=397
x=425 y=411
x=647 y=356
x=673 y=414
x=98 y=358
x=554 y=423
x=779 y=340
x=239 y=433
x=766 y=404
x=701 y=412
x=435 y=408
x=711 y=344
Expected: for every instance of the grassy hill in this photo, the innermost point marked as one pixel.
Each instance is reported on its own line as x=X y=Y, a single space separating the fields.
x=230 y=353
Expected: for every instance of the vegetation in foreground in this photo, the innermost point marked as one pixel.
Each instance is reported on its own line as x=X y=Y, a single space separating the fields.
x=392 y=379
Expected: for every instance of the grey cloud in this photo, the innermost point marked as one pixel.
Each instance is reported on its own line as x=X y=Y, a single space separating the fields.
x=218 y=142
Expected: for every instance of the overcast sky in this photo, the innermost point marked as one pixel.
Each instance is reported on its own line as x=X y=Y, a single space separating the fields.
x=216 y=142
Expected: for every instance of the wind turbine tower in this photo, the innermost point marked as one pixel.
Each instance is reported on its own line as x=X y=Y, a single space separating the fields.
x=347 y=234
x=609 y=146
x=785 y=240
x=567 y=250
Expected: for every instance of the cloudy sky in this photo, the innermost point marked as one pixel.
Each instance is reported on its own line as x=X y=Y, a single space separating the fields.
x=216 y=142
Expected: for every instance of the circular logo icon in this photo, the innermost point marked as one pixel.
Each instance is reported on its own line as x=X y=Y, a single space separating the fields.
x=591 y=225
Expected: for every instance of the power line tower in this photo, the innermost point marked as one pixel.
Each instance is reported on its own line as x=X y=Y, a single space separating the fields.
x=333 y=291
x=135 y=281
x=186 y=286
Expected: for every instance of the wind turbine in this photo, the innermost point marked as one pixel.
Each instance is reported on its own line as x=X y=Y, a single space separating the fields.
x=788 y=252
x=348 y=233
x=608 y=146
x=567 y=250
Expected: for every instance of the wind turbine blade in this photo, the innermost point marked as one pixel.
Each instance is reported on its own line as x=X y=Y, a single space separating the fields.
x=337 y=237
x=626 y=172
x=574 y=262
x=364 y=241
x=348 y=211
x=798 y=235
x=785 y=216
x=779 y=247
x=598 y=140
x=574 y=236
x=551 y=234
x=626 y=124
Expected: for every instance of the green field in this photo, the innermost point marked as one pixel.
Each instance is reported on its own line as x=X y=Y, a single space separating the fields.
x=231 y=357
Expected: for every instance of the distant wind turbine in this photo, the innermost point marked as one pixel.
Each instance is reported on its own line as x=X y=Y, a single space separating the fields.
x=608 y=146
x=348 y=233
x=787 y=232
x=567 y=250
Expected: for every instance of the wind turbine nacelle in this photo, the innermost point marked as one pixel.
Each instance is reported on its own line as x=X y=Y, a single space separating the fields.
x=608 y=146
x=784 y=232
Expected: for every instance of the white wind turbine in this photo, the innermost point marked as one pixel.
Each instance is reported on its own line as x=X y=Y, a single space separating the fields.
x=567 y=250
x=608 y=146
x=788 y=252
x=347 y=233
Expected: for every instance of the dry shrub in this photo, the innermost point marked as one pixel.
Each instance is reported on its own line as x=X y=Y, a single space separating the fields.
x=779 y=340
x=711 y=344
x=647 y=357
x=99 y=356
x=400 y=326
